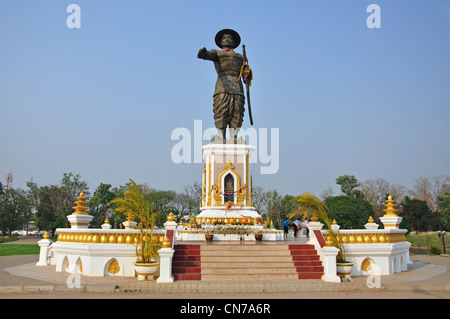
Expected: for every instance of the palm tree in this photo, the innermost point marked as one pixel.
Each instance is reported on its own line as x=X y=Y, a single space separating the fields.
x=135 y=205
x=309 y=205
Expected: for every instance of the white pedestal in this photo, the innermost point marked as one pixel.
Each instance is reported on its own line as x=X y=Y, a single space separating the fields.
x=128 y=225
x=165 y=265
x=391 y=222
x=328 y=257
x=79 y=221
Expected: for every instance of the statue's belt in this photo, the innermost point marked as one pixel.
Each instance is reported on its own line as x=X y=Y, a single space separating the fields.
x=228 y=73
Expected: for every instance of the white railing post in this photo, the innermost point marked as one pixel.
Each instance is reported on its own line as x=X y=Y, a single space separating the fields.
x=165 y=265
x=166 y=253
x=45 y=246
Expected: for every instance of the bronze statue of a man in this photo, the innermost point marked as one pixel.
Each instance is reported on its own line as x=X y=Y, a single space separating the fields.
x=229 y=97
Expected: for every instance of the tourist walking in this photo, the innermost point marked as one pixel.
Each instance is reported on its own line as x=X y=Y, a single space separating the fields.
x=307 y=229
x=297 y=227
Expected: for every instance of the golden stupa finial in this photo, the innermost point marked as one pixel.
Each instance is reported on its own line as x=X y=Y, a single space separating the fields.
x=106 y=221
x=46 y=235
x=130 y=218
x=80 y=208
x=390 y=209
x=170 y=218
x=371 y=220
x=334 y=222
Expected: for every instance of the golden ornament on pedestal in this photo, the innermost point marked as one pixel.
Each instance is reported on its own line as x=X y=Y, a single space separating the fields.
x=390 y=209
x=80 y=208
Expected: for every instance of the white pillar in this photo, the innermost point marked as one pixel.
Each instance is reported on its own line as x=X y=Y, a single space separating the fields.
x=165 y=265
x=44 y=245
x=328 y=257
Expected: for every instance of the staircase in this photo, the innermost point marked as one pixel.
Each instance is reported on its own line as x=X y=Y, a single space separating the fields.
x=186 y=262
x=235 y=262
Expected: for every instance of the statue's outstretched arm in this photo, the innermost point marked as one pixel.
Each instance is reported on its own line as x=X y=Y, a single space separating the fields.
x=207 y=55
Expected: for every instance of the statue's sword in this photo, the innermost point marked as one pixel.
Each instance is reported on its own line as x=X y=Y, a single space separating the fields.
x=247 y=79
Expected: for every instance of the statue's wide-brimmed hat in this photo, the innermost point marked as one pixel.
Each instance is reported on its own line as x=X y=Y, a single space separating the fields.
x=234 y=34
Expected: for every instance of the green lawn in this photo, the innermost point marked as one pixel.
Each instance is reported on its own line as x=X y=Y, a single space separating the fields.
x=426 y=239
x=18 y=249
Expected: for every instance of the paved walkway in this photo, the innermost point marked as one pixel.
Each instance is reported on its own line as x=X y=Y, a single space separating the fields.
x=427 y=277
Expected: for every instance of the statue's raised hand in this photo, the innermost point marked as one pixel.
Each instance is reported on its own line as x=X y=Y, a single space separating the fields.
x=201 y=53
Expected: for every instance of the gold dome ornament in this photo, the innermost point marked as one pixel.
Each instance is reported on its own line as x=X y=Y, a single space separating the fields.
x=170 y=218
x=371 y=224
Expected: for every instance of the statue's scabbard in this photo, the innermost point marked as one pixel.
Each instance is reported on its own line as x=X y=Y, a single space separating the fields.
x=247 y=80
x=249 y=105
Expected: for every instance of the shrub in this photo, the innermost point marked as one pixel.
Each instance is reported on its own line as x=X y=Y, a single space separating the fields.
x=435 y=250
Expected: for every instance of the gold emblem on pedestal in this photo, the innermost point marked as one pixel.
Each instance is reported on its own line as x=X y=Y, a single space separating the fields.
x=114 y=267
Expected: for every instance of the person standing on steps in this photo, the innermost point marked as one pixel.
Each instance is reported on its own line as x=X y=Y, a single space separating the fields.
x=286 y=228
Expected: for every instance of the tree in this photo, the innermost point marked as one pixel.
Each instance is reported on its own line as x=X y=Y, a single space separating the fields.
x=444 y=210
x=328 y=192
x=272 y=201
x=187 y=202
x=278 y=206
x=258 y=201
x=376 y=191
x=418 y=217
x=162 y=201
x=15 y=209
x=348 y=184
x=53 y=203
x=71 y=186
x=98 y=204
x=349 y=212
x=429 y=190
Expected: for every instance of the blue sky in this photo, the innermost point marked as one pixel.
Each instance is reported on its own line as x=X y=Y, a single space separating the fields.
x=102 y=101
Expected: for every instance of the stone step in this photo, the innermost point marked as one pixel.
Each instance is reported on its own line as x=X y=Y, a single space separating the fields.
x=247 y=271
x=187 y=252
x=251 y=277
x=252 y=259
x=186 y=270
x=209 y=269
x=176 y=263
x=252 y=247
x=248 y=253
x=186 y=258
x=187 y=276
x=246 y=264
